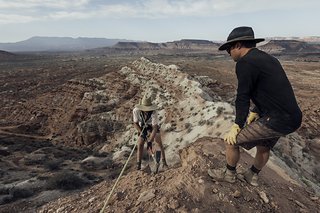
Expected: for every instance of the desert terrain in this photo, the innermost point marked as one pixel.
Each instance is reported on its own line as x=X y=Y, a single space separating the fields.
x=66 y=131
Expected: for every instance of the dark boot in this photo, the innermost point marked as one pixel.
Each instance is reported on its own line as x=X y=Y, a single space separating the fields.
x=164 y=164
x=138 y=165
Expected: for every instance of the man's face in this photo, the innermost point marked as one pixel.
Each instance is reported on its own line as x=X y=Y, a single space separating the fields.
x=229 y=49
x=234 y=51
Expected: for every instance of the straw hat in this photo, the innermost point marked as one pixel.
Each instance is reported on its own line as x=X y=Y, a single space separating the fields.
x=146 y=104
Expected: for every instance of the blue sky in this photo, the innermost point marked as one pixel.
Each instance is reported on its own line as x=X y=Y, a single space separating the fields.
x=156 y=20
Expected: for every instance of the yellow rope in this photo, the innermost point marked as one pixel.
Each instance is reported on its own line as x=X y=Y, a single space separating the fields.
x=125 y=165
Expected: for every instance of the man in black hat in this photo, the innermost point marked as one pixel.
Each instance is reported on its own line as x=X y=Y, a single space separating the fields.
x=262 y=80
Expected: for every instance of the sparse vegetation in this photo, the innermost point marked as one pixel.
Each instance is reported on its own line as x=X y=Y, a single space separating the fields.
x=21 y=193
x=209 y=122
x=66 y=181
x=187 y=125
x=170 y=129
x=220 y=110
x=53 y=164
x=202 y=122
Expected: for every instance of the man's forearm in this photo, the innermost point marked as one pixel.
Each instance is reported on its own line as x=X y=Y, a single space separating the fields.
x=138 y=128
x=153 y=133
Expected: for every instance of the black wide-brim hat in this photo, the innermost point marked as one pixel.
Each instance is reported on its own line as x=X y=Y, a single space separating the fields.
x=240 y=34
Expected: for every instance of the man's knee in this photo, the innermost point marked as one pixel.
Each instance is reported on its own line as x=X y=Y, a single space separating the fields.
x=157 y=139
x=140 y=142
x=231 y=147
x=263 y=149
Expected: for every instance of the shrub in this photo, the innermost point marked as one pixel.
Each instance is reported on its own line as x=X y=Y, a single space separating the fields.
x=209 y=122
x=66 y=181
x=100 y=154
x=187 y=125
x=6 y=199
x=202 y=122
x=21 y=193
x=90 y=176
x=220 y=110
x=316 y=172
x=53 y=164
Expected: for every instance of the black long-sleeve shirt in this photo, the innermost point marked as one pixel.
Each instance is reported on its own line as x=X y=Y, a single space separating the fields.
x=262 y=79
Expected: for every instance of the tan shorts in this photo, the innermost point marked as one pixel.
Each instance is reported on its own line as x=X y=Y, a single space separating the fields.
x=257 y=134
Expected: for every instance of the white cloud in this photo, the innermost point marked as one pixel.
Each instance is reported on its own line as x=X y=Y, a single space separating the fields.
x=84 y=9
x=118 y=10
x=22 y=4
x=68 y=15
x=7 y=19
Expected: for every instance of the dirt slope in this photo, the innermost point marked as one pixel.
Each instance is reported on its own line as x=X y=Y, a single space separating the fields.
x=188 y=188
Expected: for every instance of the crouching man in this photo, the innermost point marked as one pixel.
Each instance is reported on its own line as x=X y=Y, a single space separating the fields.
x=145 y=119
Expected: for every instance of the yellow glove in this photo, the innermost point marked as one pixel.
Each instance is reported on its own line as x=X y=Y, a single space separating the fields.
x=231 y=136
x=253 y=116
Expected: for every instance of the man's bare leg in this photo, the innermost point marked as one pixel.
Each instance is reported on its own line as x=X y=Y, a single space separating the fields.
x=159 y=142
x=139 y=152
x=232 y=155
x=262 y=157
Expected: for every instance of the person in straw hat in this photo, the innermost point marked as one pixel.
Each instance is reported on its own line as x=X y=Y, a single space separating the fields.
x=145 y=117
x=275 y=112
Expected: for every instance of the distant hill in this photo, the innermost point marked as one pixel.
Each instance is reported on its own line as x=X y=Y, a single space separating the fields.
x=51 y=44
x=290 y=46
x=309 y=39
x=58 y=44
x=272 y=46
x=6 y=55
x=188 y=44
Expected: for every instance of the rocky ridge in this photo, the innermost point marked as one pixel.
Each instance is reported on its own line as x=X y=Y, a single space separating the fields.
x=204 y=116
x=97 y=113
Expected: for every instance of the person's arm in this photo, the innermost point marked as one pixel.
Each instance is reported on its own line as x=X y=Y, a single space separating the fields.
x=247 y=75
x=255 y=109
x=136 y=125
x=153 y=133
x=154 y=122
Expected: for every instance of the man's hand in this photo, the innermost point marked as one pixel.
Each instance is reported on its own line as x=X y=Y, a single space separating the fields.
x=253 y=116
x=231 y=136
